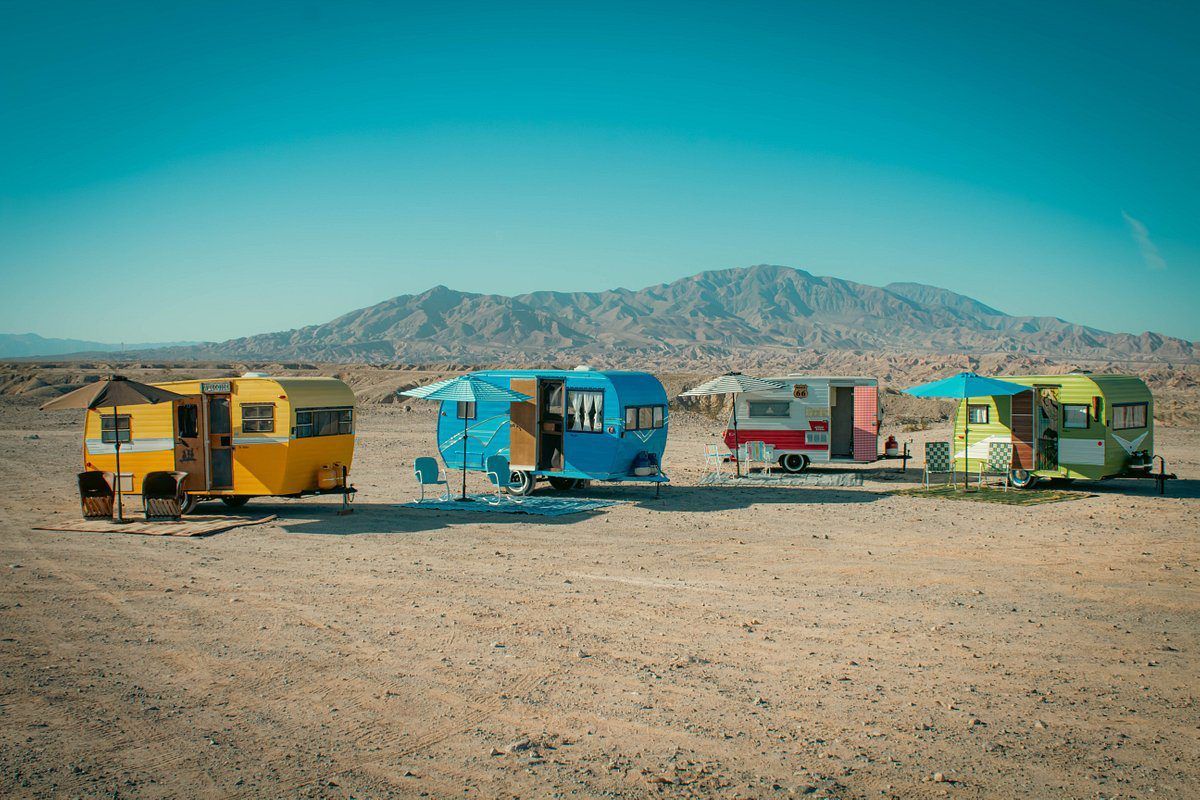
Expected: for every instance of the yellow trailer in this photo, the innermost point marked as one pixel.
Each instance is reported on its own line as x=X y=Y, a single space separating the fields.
x=236 y=438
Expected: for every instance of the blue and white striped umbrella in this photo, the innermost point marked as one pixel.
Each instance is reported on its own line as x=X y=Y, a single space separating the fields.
x=466 y=389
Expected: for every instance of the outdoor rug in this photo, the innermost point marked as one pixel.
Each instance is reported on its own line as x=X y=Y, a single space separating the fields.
x=804 y=479
x=540 y=506
x=189 y=526
x=1013 y=497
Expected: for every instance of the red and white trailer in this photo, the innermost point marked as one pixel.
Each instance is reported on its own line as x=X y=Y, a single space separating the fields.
x=812 y=419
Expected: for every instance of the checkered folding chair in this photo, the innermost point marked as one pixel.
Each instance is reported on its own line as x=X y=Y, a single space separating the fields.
x=938 y=462
x=998 y=465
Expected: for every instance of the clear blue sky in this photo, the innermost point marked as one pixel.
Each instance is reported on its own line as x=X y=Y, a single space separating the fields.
x=180 y=171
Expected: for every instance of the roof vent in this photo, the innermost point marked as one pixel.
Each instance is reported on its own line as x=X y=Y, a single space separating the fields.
x=255 y=375
x=583 y=368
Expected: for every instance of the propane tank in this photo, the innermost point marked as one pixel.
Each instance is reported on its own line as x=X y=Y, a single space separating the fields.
x=329 y=476
x=891 y=448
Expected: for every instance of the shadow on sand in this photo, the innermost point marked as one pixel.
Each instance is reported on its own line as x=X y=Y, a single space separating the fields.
x=392 y=518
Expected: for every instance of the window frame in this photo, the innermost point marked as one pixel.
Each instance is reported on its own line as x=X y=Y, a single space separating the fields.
x=1087 y=416
x=570 y=411
x=466 y=409
x=113 y=435
x=343 y=422
x=1145 y=406
x=987 y=413
x=787 y=405
x=270 y=420
x=658 y=418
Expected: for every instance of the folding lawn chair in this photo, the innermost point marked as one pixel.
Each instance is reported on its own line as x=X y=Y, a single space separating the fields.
x=428 y=472
x=998 y=464
x=713 y=459
x=761 y=453
x=500 y=476
x=938 y=462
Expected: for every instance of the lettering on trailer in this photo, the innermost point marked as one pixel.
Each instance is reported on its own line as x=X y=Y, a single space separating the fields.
x=215 y=387
x=800 y=390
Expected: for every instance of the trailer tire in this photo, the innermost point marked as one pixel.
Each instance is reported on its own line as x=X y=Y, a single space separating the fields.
x=564 y=484
x=190 y=501
x=1022 y=479
x=236 y=501
x=522 y=483
x=793 y=462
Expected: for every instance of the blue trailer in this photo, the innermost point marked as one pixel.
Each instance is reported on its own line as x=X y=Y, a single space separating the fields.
x=577 y=426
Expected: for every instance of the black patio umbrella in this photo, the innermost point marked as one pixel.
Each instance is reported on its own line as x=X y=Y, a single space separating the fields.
x=112 y=392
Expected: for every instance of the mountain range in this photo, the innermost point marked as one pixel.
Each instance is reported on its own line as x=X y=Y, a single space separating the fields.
x=25 y=345
x=714 y=314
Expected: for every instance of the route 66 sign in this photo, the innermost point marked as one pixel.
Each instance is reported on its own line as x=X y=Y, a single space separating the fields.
x=800 y=390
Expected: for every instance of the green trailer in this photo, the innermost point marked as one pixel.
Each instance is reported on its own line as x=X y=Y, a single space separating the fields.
x=1075 y=426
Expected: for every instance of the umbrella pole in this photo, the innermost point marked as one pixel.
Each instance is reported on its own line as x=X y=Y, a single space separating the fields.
x=464 y=475
x=117 y=444
x=966 y=444
x=737 y=456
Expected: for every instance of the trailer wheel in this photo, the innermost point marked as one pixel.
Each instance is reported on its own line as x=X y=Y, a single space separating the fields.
x=190 y=501
x=235 y=501
x=521 y=483
x=564 y=484
x=793 y=462
x=1022 y=479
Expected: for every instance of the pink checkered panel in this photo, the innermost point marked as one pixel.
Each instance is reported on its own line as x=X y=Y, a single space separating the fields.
x=866 y=417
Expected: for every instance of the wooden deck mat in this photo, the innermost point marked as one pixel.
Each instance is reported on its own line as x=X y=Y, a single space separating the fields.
x=188 y=526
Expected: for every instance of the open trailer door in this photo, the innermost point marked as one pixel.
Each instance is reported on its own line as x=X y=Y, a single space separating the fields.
x=866 y=423
x=522 y=428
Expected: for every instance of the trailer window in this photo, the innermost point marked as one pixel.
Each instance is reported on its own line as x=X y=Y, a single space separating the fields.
x=323 y=422
x=188 y=421
x=644 y=418
x=258 y=417
x=977 y=415
x=1076 y=415
x=114 y=429
x=585 y=410
x=466 y=409
x=758 y=409
x=1128 y=415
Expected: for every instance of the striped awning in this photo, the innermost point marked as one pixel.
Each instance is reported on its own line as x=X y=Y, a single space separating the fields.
x=466 y=388
x=732 y=383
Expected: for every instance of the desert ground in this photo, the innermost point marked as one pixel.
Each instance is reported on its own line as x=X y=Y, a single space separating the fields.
x=750 y=642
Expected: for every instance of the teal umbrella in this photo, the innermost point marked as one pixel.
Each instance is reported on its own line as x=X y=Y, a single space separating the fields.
x=466 y=389
x=964 y=386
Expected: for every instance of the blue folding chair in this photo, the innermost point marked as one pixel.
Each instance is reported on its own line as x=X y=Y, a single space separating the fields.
x=500 y=476
x=428 y=472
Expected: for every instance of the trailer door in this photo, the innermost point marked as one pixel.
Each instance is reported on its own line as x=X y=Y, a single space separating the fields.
x=866 y=423
x=189 y=444
x=220 y=442
x=1021 y=427
x=522 y=428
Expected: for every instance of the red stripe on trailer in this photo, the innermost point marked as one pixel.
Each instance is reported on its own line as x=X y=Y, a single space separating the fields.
x=780 y=439
x=866 y=423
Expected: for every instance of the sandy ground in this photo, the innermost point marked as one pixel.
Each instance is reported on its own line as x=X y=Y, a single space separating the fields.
x=758 y=642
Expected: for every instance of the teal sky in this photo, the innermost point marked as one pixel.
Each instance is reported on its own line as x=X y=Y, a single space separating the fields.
x=203 y=171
